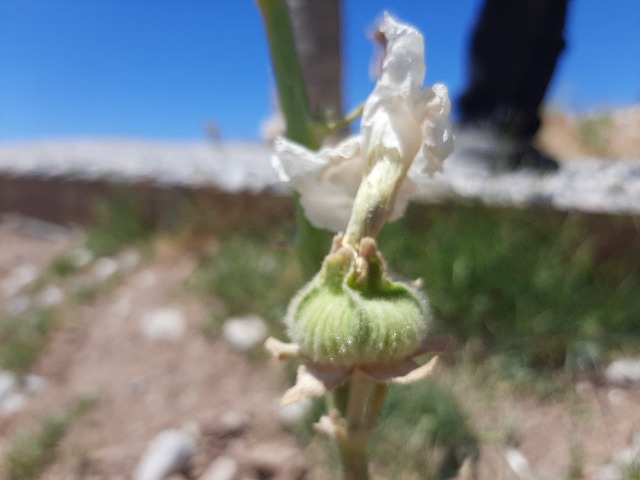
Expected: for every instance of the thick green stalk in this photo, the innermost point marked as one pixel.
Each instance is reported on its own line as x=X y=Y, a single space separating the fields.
x=313 y=243
x=353 y=455
x=284 y=58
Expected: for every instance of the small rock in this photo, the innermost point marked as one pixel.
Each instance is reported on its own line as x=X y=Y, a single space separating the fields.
x=81 y=257
x=244 y=333
x=163 y=324
x=50 y=296
x=517 y=462
x=169 y=452
x=13 y=402
x=34 y=384
x=104 y=268
x=294 y=413
x=232 y=424
x=222 y=468
x=17 y=305
x=609 y=472
x=19 y=278
x=8 y=384
x=271 y=460
x=623 y=372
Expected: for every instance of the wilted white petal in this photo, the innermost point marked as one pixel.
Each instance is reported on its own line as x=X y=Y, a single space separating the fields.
x=418 y=374
x=281 y=350
x=331 y=426
x=405 y=135
x=315 y=382
x=327 y=180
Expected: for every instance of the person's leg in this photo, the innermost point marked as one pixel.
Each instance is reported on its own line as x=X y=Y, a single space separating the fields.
x=514 y=51
x=500 y=47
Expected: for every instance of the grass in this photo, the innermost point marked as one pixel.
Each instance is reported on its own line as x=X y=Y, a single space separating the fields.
x=423 y=429
x=526 y=292
x=32 y=452
x=120 y=222
x=22 y=338
x=595 y=134
x=631 y=470
x=250 y=274
x=529 y=284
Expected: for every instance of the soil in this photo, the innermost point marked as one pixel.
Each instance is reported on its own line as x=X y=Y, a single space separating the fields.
x=145 y=386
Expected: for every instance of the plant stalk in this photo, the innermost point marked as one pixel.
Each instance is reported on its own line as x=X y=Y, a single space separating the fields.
x=313 y=243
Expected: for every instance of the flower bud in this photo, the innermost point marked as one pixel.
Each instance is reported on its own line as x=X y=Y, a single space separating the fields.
x=351 y=313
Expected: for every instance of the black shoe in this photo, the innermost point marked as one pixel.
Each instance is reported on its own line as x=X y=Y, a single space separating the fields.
x=531 y=158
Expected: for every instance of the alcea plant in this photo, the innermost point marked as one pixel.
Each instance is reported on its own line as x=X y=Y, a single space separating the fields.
x=353 y=327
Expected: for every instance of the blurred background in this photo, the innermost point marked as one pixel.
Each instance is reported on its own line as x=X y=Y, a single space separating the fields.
x=144 y=257
x=188 y=69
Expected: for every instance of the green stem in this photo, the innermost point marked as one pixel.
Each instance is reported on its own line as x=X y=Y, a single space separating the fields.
x=376 y=402
x=357 y=404
x=313 y=243
x=290 y=81
x=353 y=447
x=353 y=455
x=336 y=125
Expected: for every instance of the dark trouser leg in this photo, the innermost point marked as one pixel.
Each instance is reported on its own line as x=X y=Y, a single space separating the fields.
x=515 y=48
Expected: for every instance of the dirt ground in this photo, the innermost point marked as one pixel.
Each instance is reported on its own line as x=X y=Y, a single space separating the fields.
x=144 y=386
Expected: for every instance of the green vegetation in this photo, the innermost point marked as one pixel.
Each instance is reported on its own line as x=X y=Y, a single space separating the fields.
x=119 y=222
x=32 y=452
x=530 y=284
x=22 y=338
x=595 y=134
x=543 y=289
x=423 y=429
x=250 y=274
x=631 y=470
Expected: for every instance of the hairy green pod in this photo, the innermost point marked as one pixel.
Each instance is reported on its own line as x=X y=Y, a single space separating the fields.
x=351 y=313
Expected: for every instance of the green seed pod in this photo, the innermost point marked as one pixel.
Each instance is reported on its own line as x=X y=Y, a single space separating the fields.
x=351 y=313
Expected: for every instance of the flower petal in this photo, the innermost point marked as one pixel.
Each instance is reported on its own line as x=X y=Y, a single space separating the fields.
x=403 y=68
x=331 y=425
x=386 y=373
x=315 y=381
x=327 y=180
x=434 y=109
x=418 y=374
x=281 y=350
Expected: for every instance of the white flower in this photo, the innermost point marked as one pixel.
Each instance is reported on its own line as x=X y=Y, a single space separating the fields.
x=405 y=135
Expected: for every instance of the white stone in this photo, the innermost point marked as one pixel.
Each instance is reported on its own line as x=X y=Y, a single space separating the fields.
x=244 y=333
x=17 y=305
x=168 y=453
x=34 y=384
x=623 y=372
x=222 y=468
x=19 y=278
x=609 y=472
x=517 y=462
x=8 y=384
x=104 y=268
x=295 y=412
x=50 y=296
x=163 y=324
x=232 y=423
x=81 y=257
x=13 y=402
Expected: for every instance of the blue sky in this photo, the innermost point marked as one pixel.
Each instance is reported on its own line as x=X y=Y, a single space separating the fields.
x=164 y=68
